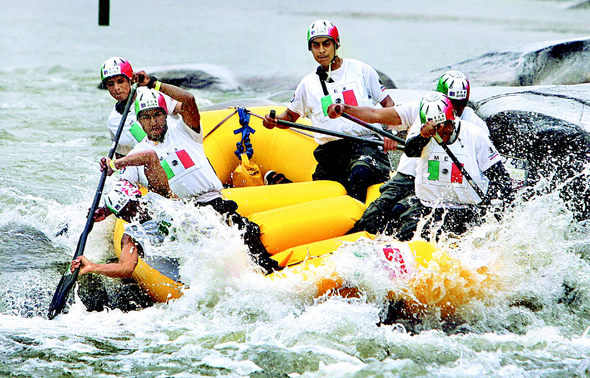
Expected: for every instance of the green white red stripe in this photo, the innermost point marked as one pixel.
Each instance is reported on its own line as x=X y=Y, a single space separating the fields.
x=434 y=172
x=345 y=97
x=177 y=162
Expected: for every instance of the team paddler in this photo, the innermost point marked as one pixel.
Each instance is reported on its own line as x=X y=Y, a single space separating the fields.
x=178 y=146
x=439 y=183
x=355 y=164
x=459 y=172
x=116 y=75
x=148 y=227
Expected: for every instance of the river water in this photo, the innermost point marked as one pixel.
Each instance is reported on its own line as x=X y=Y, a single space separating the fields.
x=233 y=321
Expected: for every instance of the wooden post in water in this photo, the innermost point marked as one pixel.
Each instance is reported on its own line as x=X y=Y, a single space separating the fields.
x=103 y=12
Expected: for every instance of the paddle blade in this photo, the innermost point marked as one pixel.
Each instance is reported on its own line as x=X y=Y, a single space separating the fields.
x=61 y=293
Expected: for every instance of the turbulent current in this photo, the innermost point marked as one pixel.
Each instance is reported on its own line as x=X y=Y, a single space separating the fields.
x=530 y=315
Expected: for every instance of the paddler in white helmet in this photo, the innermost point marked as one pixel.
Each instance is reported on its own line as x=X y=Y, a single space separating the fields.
x=146 y=229
x=178 y=144
x=148 y=226
x=356 y=165
x=459 y=172
x=176 y=147
x=116 y=75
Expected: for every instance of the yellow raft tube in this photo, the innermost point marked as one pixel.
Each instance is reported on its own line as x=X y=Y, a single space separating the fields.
x=300 y=222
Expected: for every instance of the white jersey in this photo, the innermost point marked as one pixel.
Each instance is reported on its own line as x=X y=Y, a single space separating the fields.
x=354 y=83
x=132 y=131
x=440 y=183
x=183 y=158
x=470 y=116
x=410 y=116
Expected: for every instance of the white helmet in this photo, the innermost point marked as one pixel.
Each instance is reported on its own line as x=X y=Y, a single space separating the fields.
x=436 y=107
x=149 y=99
x=322 y=28
x=120 y=195
x=454 y=84
x=116 y=66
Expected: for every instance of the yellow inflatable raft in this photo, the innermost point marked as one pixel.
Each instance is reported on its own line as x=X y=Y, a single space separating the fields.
x=301 y=222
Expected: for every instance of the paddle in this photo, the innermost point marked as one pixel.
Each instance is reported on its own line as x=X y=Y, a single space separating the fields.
x=376 y=129
x=324 y=131
x=68 y=279
x=459 y=166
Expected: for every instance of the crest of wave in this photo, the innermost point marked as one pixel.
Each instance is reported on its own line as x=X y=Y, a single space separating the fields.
x=215 y=266
x=493 y=260
x=533 y=260
x=540 y=257
x=436 y=282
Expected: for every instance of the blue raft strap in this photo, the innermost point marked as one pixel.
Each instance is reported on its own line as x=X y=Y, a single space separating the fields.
x=244 y=145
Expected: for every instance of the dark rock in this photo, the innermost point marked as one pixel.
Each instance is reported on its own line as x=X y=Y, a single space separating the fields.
x=563 y=62
x=385 y=80
x=188 y=79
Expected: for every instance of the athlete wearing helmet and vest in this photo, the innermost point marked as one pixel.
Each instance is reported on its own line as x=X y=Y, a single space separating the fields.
x=116 y=75
x=178 y=145
x=356 y=165
x=148 y=228
x=173 y=153
x=387 y=208
x=440 y=185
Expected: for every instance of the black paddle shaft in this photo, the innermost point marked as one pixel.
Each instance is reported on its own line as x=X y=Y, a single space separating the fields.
x=69 y=279
x=325 y=131
x=376 y=129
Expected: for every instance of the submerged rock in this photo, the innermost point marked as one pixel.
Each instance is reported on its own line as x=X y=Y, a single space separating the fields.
x=196 y=76
x=31 y=266
x=188 y=79
x=98 y=293
x=578 y=4
x=385 y=80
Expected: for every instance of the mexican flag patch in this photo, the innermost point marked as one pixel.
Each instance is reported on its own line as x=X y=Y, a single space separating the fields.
x=176 y=162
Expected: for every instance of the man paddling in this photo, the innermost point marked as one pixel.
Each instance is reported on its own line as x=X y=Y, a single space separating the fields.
x=180 y=157
x=356 y=165
x=382 y=213
x=148 y=227
x=116 y=75
x=447 y=192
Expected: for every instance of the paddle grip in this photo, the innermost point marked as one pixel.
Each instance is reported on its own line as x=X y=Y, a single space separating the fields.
x=273 y=114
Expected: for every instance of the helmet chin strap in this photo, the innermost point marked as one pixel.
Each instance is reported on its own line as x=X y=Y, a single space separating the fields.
x=330 y=65
x=455 y=133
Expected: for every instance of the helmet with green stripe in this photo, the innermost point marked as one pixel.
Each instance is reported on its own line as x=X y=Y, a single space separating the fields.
x=120 y=195
x=149 y=99
x=322 y=28
x=436 y=107
x=454 y=84
x=116 y=66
